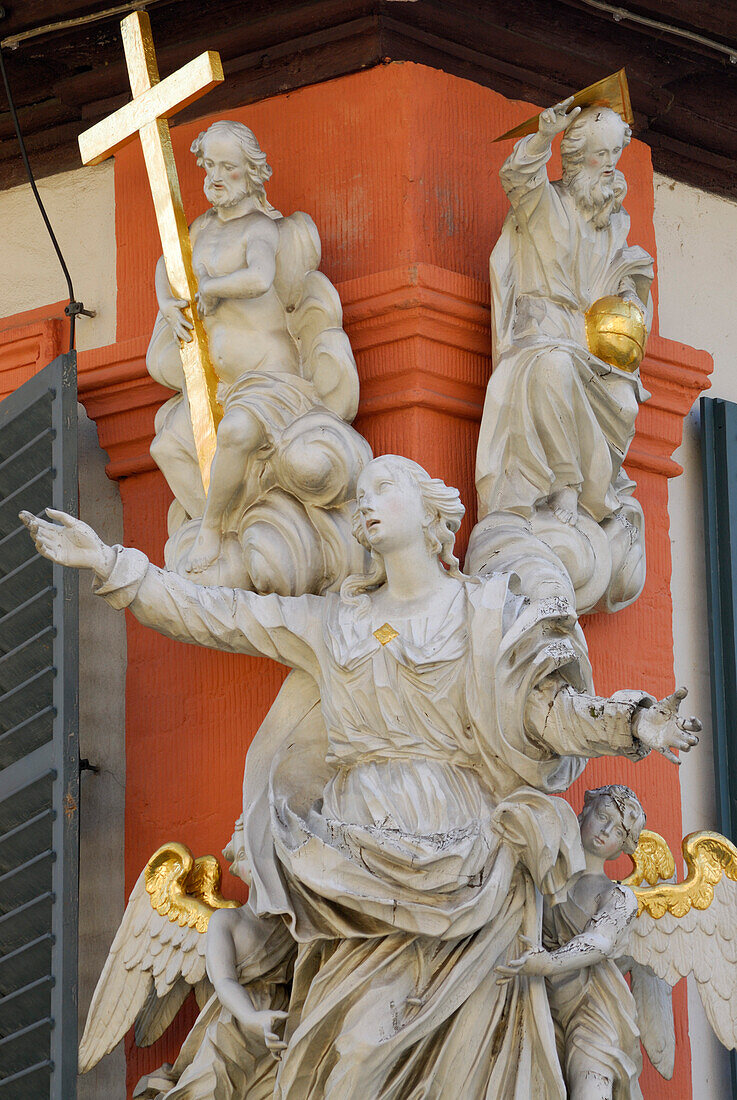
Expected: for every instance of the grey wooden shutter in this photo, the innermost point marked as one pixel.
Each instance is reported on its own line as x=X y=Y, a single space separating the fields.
x=719 y=463
x=719 y=440
x=39 y=757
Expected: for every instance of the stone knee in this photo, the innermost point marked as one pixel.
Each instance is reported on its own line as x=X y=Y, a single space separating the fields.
x=552 y=373
x=240 y=430
x=167 y=449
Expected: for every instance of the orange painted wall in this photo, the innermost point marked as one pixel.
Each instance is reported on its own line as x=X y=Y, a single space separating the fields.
x=399 y=169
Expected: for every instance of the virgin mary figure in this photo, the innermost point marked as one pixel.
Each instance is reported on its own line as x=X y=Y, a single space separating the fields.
x=401 y=825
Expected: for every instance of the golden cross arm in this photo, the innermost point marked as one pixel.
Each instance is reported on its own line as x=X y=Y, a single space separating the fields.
x=154 y=101
x=160 y=101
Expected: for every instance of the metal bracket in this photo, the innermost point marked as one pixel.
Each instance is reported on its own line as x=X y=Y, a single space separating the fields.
x=75 y=308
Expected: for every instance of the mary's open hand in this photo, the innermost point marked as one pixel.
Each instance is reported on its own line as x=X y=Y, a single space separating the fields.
x=68 y=541
x=661 y=728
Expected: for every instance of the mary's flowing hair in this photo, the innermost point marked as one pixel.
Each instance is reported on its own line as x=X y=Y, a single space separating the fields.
x=444 y=515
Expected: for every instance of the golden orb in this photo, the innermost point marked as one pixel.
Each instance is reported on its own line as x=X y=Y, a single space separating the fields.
x=616 y=333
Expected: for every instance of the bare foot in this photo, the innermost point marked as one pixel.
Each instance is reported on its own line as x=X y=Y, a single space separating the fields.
x=564 y=504
x=205 y=550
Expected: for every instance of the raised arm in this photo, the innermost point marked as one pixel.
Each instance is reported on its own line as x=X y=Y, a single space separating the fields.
x=523 y=172
x=287 y=629
x=630 y=723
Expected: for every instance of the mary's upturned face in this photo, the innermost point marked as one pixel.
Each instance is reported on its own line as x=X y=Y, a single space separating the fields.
x=391 y=507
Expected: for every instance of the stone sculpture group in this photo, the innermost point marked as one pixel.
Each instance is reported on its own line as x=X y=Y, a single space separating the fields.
x=426 y=918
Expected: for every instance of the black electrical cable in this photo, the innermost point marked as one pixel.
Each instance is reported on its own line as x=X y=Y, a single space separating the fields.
x=74 y=306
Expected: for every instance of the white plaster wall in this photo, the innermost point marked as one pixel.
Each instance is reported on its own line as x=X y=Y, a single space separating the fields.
x=696 y=239
x=81 y=208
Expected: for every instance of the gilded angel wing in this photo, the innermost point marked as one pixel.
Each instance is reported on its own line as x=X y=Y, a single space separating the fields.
x=652 y=860
x=691 y=928
x=158 y=953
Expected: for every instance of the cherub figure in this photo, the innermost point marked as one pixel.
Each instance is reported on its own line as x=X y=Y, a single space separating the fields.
x=594 y=1012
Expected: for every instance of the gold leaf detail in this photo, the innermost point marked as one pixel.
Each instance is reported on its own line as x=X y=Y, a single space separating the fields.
x=652 y=860
x=386 y=634
x=707 y=856
x=184 y=889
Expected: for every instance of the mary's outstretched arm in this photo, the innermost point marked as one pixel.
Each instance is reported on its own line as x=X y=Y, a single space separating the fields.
x=629 y=723
x=287 y=629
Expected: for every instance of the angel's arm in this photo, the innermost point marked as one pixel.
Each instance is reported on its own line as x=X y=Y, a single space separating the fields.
x=287 y=629
x=601 y=939
x=221 y=970
x=235 y=936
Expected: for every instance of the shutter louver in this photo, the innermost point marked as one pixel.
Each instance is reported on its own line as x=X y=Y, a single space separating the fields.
x=39 y=756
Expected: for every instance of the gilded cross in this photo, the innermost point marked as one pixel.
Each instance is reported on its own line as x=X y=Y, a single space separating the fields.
x=154 y=101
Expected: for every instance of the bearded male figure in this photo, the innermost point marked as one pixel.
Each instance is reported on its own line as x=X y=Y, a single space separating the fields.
x=558 y=420
x=286 y=461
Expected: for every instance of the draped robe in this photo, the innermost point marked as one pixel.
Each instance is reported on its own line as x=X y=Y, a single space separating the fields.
x=398 y=824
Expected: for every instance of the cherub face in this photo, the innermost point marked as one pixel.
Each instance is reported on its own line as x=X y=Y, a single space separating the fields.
x=392 y=509
x=225 y=171
x=602 y=830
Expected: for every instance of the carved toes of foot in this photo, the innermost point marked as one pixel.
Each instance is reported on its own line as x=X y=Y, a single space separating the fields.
x=204 y=552
x=565 y=516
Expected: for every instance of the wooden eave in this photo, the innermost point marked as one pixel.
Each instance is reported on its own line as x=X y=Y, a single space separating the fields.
x=684 y=92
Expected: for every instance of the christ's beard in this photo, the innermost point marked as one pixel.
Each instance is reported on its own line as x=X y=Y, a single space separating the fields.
x=596 y=199
x=226 y=196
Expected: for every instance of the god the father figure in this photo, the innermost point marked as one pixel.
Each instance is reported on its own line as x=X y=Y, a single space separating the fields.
x=558 y=421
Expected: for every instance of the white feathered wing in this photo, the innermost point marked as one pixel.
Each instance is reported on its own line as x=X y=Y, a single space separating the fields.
x=158 y=954
x=703 y=942
x=654 y=1001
